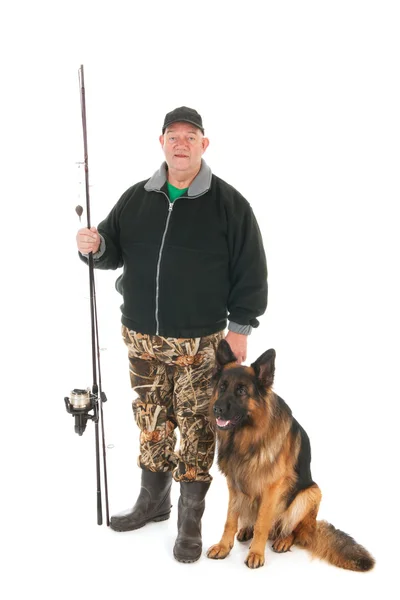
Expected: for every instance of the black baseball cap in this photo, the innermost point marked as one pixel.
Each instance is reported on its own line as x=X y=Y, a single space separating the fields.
x=185 y=114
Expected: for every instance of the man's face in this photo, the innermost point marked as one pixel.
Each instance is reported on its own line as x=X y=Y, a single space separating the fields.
x=183 y=145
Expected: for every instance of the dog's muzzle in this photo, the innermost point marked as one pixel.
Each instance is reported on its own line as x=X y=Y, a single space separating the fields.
x=221 y=419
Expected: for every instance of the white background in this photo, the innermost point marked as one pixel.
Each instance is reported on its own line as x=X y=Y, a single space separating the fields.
x=301 y=103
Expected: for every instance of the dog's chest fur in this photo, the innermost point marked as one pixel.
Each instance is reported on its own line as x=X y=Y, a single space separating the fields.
x=251 y=467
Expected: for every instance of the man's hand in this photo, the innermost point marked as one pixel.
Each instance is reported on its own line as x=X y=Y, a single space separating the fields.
x=238 y=344
x=88 y=240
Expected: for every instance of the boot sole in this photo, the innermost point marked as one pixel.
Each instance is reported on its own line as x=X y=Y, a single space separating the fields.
x=140 y=525
x=185 y=559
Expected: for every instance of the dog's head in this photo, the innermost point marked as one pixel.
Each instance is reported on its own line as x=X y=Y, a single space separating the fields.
x=240 y=390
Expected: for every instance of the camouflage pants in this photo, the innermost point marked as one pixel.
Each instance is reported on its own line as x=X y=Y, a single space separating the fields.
x=172 y=378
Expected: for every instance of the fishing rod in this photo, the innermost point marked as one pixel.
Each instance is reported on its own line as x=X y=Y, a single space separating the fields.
x=87 y=404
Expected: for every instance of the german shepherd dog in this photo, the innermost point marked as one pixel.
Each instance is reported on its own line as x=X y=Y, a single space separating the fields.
x=265 y=455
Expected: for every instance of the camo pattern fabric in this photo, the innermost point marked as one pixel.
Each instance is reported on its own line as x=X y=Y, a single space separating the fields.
x=172 y=377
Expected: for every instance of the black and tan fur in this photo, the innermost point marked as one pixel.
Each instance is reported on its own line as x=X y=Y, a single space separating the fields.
x=265 y=455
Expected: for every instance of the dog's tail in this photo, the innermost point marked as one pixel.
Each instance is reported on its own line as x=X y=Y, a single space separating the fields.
x=338 y=548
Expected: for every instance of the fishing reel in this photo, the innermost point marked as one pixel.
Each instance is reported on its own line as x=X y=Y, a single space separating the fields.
x=79 y=404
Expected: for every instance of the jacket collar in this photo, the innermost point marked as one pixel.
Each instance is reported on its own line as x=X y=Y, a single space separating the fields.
x=200 y=184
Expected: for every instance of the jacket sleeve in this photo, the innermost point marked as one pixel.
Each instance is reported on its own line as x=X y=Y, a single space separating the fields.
x=109 y=229
x=248 y=266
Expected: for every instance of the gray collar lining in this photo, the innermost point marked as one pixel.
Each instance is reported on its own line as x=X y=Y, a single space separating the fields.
x=200 y=185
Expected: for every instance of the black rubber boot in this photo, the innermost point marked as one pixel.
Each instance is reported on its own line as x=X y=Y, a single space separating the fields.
x=191 y=506
x=153 y=503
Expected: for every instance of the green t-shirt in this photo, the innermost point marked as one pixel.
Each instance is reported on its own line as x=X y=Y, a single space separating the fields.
x=174 y=192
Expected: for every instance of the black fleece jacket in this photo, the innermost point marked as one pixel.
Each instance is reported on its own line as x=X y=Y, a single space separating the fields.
x=189 y=265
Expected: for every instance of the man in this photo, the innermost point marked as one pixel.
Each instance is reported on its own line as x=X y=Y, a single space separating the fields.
x=192 y=256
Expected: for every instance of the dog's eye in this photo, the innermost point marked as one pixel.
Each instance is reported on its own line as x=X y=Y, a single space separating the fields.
x=222 y=386
x=241 y=390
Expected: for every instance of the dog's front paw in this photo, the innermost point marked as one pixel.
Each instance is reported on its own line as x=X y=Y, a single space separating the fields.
x=218 y=551
x=254 y=560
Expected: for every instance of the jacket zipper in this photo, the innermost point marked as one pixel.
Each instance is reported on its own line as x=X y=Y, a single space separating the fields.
x=170 y=207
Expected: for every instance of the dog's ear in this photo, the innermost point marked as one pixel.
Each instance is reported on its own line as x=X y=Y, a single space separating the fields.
x=264 y=368
x=223 y=356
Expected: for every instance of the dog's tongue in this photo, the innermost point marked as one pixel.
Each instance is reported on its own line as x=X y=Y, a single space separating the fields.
x=222 y=423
